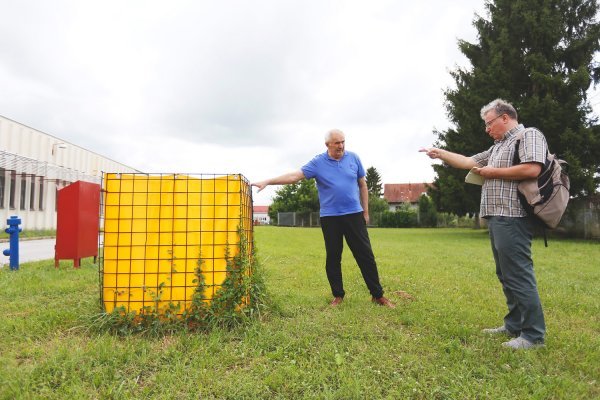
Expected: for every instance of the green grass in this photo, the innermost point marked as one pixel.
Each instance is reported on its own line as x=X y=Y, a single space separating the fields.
x=427 y=348
x=30 y=234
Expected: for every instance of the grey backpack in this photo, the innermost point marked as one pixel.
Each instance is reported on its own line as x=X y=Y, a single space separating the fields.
x=545 y=198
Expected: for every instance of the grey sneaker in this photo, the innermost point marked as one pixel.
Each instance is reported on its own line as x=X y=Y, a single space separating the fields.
x=499 y=330
x=521 y=344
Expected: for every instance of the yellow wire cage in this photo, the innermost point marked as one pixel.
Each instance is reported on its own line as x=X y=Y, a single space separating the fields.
x=157 y=228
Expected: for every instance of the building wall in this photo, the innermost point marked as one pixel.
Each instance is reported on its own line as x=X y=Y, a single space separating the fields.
x=261 y=218
x=35 y=165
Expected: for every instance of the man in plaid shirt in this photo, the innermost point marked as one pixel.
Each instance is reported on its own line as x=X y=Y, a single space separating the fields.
x=509 y=228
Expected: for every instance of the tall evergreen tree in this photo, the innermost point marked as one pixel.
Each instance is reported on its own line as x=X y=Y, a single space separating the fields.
x=538 y=55
x=373 y=182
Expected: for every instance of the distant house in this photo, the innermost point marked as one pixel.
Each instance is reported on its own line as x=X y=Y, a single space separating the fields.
x=261 y=215
x=397 y=194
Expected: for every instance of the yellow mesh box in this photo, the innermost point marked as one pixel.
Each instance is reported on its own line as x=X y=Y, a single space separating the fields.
x=158 y=227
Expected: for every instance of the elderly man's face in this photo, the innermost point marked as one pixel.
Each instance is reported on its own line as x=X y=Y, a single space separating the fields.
x=335 y=146
x=495 y=125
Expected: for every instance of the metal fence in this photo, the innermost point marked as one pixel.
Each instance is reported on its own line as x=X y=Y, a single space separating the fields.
x=306 y=219
x=30 y=166
x=582 y=218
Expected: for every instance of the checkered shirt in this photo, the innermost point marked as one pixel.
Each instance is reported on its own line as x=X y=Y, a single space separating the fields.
x=499 y=196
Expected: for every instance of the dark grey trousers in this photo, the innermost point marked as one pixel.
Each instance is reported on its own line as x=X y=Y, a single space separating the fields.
x=511 y=245
x=354 y=229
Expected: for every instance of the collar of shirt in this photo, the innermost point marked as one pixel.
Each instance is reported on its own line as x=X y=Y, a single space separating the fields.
x=510 y=133
x=333 y=159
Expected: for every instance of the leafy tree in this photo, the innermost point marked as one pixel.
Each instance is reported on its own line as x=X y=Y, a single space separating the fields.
x=377 y=206
x=296 y=197
x=538 y=55
x=373 y=182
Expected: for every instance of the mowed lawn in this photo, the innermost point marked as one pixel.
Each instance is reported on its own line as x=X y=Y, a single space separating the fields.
x=429 y=347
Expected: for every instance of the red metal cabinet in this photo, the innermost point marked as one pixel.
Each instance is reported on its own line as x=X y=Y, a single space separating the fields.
x=78 y=207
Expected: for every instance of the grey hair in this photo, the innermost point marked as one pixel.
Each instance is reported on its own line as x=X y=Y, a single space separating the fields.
x=331 y=133
x=500 y=107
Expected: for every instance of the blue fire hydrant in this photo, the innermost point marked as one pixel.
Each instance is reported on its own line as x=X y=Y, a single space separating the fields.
x=13 y=251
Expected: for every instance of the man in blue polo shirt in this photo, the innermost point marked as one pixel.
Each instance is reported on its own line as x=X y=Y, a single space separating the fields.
x=344 y=200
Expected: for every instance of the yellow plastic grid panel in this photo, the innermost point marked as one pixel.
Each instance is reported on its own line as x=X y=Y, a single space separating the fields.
x=156 y=230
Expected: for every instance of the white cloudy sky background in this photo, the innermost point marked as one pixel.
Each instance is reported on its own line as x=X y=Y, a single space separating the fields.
x=235 y=86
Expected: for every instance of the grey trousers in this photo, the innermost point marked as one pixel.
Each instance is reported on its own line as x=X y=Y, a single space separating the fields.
x=511 y=246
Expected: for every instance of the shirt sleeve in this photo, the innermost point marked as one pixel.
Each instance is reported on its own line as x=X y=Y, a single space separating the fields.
x=534 y=147
x=310 y=168
x=482 y=159
x=361 y=170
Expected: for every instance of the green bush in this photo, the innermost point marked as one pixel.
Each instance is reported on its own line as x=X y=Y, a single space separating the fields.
x=405 y=217
x=449 y=220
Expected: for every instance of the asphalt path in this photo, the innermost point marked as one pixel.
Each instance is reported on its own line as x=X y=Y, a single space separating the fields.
x=30 y=250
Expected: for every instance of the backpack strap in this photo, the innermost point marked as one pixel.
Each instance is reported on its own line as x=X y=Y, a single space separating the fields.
x=526 y=206
x=516 y=160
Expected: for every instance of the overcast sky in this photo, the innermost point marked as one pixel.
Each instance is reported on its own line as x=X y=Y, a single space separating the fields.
x=239 y=86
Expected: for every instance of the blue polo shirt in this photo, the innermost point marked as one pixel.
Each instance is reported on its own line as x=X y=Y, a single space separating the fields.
x=337 y=183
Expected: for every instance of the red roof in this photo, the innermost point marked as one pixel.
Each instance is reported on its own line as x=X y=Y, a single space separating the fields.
x=261 y=209
x=404 y=192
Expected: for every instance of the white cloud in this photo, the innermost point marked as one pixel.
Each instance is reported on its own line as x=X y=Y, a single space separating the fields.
x=236 y=86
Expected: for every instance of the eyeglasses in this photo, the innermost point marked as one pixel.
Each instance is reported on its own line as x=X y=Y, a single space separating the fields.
x=487 y=124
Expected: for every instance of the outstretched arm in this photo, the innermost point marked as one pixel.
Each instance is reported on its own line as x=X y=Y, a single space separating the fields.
x=290 y=177
x=453 y=159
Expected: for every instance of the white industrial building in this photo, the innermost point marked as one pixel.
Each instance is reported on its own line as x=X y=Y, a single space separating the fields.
x=35 y=165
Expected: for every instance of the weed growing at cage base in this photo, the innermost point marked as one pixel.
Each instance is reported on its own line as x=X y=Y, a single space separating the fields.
x=241 y=297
